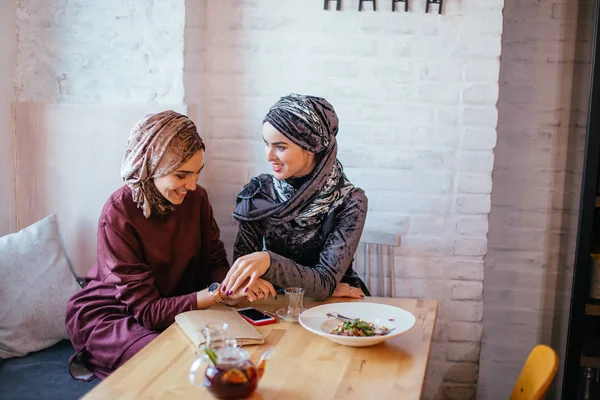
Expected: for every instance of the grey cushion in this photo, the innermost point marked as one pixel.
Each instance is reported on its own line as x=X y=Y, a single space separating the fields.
x=35 y=285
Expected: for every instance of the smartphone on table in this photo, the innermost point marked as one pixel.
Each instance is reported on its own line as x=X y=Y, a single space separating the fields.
x=255 y=317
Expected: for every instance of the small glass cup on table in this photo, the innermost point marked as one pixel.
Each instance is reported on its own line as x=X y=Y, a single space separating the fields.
x=294 y=297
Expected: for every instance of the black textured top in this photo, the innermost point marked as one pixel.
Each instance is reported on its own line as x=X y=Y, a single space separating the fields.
x=315 y=257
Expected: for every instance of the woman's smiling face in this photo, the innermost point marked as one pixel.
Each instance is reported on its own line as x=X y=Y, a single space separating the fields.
x=175 y=185
x=288 y=160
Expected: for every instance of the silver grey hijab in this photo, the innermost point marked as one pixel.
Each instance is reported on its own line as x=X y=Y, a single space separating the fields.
x=311 y=123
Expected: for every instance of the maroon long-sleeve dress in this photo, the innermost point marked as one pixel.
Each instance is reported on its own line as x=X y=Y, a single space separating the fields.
x=147 y=271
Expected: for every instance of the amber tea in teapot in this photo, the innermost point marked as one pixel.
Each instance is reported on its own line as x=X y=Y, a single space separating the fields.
x=229 y=374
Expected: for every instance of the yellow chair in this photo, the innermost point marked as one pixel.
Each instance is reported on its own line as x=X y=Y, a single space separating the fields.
x=536 y=375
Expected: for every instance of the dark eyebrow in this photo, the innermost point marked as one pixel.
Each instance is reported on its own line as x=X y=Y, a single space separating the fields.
x=182 y=171
x=275 y=143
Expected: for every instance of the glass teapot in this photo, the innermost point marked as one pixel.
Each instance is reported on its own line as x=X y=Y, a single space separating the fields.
x=229 y=374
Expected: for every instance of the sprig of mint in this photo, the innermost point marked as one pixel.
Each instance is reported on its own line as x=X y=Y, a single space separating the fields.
x=211 y=354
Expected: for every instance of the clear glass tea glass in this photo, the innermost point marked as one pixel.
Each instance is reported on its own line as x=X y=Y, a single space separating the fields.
x=294 y=297
x=215 y=334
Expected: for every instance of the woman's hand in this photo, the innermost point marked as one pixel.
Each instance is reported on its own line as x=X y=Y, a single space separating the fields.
x=251 y=266
x=345 y=290
x=204 y=299
x=260 y=289
x=234 y=299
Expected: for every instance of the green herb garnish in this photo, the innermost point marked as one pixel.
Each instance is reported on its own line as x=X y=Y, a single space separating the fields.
x=356 y=327
x=212 y=356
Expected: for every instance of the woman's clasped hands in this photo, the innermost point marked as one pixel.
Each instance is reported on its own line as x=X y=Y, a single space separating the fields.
x=244 y=277
x=244 y=280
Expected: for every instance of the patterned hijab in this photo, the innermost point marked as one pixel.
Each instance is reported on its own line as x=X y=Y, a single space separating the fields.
x=158 y=144
x=311 y=123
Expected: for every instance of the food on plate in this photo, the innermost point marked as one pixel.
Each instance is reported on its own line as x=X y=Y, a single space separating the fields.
x=358 y=327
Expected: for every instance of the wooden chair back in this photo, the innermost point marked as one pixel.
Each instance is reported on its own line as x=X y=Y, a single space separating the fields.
x=375 y=256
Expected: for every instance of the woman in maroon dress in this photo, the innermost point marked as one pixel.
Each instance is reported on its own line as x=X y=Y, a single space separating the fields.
x=159 y=252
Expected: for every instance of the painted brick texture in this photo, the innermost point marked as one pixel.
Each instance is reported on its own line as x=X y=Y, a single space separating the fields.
x=100 y=52
x=543 y=100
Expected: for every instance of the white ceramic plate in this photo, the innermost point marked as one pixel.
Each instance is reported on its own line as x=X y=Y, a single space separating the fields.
x=316 y=321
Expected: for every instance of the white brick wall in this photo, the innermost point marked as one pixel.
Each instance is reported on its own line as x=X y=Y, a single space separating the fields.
x=543 y=102
x=7 y=93
x=416 y=95
x=108 y=52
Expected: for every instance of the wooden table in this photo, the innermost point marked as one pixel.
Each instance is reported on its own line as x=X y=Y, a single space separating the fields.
x=304 y=366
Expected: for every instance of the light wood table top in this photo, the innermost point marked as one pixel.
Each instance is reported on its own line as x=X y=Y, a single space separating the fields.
x=304 y=366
